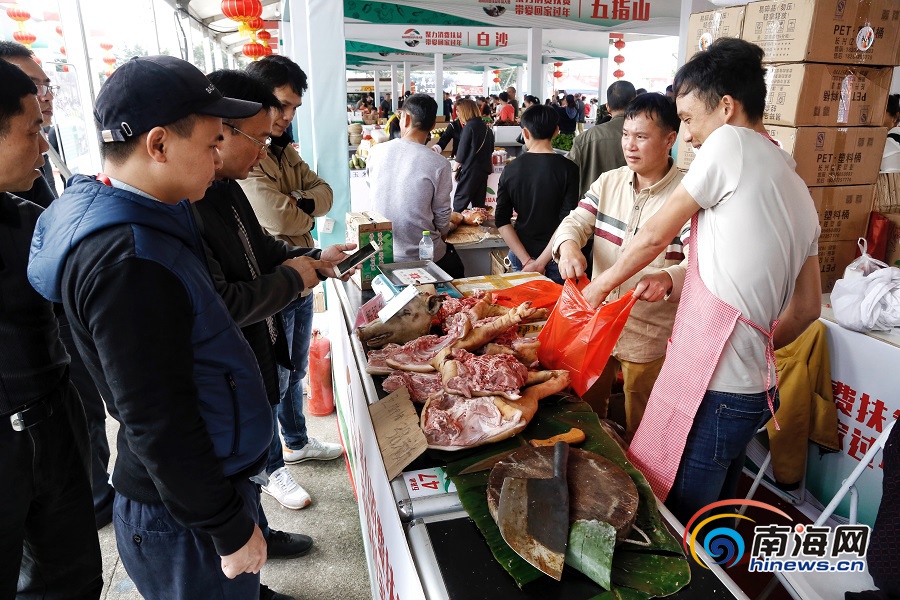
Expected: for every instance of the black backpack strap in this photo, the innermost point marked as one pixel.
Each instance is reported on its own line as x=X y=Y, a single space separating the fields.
x=895 y=137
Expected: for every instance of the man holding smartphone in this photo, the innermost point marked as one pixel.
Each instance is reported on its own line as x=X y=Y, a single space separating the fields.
x=256 y=274
x=287 y=196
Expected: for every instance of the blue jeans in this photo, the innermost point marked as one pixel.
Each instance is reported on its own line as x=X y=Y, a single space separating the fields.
x=714 y=455
x=166 y=560
x=551 y=271
x=297 y=318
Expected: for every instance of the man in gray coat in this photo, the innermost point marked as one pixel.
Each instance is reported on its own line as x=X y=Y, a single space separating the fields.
x=600 y=148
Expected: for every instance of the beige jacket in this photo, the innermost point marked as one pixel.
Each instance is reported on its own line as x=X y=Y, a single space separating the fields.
x=612 y=211
x=269 y=186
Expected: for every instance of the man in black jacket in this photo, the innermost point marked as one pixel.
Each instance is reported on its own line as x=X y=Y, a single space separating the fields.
x=48 y=544
x=123 y=254
x=42 y=193
x=256 y=274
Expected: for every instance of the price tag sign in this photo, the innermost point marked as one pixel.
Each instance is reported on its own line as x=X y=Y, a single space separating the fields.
x=428 y=482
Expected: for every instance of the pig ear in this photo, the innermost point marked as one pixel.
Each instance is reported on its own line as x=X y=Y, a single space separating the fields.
x=434 y=304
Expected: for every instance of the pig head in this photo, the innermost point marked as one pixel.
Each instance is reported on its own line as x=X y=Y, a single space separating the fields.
x=412 y=322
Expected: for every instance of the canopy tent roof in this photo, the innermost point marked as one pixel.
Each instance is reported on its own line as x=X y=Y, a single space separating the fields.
x=573 y=29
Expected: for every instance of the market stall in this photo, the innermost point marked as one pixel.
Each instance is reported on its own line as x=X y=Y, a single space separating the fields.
x=425 y=546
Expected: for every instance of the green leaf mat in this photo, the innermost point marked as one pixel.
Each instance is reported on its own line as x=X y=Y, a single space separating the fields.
x=637 y=572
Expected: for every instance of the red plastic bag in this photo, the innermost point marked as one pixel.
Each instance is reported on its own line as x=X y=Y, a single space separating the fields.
x=542 y=293
x=579 y=338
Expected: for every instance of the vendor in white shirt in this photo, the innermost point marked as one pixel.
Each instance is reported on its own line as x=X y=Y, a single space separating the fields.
x=890 y=161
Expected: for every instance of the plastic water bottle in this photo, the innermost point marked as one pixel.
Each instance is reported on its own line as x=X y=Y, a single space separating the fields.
x=426 y=247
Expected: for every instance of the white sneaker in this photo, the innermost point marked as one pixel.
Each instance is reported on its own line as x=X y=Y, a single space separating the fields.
x=288 y=492
x=313 y=450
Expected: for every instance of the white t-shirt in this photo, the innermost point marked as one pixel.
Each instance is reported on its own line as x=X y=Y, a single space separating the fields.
x=890 y=160
x=759 y=227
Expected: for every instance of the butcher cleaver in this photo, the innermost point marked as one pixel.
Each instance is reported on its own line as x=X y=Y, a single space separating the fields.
x=533 y=516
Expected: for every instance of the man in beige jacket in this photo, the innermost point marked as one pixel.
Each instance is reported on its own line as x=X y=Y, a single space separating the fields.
x=287 y=196
x=617 y=204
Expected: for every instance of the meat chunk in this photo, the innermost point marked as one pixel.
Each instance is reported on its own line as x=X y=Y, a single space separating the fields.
x=419 y=385
x=475 y=216
x=417 y=354
x=376 y=360
x=488 y=330
x=468 y=375
x=452 y=422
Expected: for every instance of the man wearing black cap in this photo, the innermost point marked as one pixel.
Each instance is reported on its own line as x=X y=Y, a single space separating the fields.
x=123 y=254
x=48 y=544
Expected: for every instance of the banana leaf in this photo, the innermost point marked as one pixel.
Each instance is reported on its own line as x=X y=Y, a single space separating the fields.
x=590 y=550
x=655 y=574
x=633 y=571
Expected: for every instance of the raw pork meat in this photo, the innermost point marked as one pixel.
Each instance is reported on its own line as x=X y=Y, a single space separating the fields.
x=417 y=354
x=469 y=375
x=419 y=385
x=453 y=422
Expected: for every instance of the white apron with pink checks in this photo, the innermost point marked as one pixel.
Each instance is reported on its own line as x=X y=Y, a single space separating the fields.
x=702 y=326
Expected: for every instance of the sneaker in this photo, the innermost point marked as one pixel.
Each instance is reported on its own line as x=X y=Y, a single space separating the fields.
x=313 y=450
x=281 y=544
x=266 y=594
x=288 y=492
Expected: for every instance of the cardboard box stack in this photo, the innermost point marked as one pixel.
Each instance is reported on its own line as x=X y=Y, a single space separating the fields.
x=829 y=74
x=365 y=227
x=706 y=27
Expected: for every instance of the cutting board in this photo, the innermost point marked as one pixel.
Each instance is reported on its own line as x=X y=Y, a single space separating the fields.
x=598 y=489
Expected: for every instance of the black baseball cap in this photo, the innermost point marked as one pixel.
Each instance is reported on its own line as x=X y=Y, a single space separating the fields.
x=153 y=91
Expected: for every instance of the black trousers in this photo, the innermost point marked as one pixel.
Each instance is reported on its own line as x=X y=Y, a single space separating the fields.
x=48 y=539
x=882 y=553
x=452 y=263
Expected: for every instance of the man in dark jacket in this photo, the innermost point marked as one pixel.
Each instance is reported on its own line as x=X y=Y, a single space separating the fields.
x=42 y=193
x=123 y=254
x=48 y=543
x=257 y=275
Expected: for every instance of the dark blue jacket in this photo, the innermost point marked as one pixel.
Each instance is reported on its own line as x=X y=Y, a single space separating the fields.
x=170 y=362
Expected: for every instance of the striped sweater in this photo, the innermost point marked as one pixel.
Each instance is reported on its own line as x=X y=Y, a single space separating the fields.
x=613 y=212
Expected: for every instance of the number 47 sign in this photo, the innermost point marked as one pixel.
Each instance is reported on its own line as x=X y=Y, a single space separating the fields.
x=428 y=482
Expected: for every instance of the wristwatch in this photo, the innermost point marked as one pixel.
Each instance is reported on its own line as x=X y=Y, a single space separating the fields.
x=307 y=205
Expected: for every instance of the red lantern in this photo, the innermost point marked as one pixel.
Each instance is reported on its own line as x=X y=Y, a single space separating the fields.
x=254 y=50
x=62 y=50
x=17 y=14
x=618 y=59
x=557 y=65
x=65 y=68
x=618 y=73
x=251 y=27
x=496 y=80
x=59 y=30
x=241 y=10
x=620 y=43
x=557 y=74
x=496 y=71
x=109 y=60
x=264 y=36
x=268 y=51
x=106 y=46
x=24 y=37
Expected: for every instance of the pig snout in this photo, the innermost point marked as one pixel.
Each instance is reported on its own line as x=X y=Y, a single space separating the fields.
x=412 y=322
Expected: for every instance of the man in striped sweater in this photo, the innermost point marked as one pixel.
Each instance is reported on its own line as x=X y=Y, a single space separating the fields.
x=617 y=204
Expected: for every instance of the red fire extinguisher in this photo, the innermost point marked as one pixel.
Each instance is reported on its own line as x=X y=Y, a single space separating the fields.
x=321 y=391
